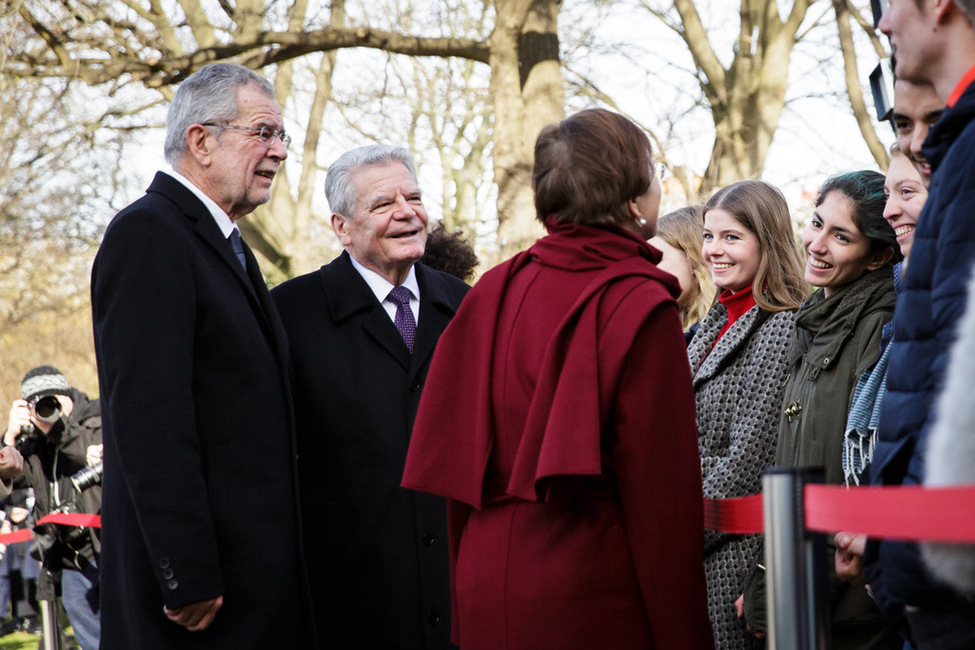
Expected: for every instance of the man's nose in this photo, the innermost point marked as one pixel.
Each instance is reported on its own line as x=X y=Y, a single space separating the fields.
x=404 y=209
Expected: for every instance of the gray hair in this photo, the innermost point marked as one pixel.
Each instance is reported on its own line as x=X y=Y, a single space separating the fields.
x=209 y=95
x=339 y=189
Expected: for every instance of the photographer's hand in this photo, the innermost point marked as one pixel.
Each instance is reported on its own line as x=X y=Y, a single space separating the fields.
x=17 y=514
x=196 y=616
x=11 y=463
x=94 y=454
x=19 y=417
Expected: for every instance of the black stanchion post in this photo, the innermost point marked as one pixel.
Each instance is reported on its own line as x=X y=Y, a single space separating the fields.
x=795 y=564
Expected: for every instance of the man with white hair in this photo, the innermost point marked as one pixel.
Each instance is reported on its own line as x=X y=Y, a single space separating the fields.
x=201 y=537
x=362 y=331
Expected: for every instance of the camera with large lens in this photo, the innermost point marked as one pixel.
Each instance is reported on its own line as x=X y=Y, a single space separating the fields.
x=87 y=477
x=46 y=408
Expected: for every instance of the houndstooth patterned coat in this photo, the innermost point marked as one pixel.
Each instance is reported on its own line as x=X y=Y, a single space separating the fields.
x=738 y=385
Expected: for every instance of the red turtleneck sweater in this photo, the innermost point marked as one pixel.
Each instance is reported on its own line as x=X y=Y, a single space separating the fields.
x=736 y=304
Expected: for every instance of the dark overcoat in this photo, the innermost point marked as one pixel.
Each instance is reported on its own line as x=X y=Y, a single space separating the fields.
x=378 y=552
x=200 y=494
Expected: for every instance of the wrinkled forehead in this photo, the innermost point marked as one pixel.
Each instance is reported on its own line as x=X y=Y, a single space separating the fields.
x=382 y=179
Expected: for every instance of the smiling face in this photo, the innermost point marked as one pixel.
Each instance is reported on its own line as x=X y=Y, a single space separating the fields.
x=837 y=253
x=240 y=166
x=731 y=250
x=906 y=195
x=388 y=231
x=916 y=108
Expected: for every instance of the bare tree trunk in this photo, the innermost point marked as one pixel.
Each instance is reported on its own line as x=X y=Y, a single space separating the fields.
x=526 y=85
x=747 y=97
x=854 y=87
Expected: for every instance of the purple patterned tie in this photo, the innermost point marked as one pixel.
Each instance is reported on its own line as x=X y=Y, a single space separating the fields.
x=404 y=315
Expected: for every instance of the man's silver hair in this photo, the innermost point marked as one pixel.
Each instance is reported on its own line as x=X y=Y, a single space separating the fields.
x=209 y=95
x=339 y=188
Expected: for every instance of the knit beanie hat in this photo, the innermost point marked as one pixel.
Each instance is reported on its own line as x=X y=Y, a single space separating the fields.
x=43 y=380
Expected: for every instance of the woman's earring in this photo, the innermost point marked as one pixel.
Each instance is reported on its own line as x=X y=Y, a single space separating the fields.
x=643 y=221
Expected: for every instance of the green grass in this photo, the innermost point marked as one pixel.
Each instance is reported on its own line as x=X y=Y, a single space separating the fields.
x=19 y=641
x=25 y=641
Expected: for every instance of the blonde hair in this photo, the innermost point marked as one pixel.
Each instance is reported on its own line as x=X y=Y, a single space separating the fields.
x=682 y=230
x=780 y=283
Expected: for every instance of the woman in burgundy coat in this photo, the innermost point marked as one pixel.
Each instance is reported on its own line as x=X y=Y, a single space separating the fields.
x=558 y=419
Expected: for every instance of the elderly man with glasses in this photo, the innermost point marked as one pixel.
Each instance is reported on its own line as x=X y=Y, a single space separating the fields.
x=201 y=537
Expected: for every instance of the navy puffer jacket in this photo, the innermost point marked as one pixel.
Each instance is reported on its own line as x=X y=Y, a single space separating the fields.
x=928 y=309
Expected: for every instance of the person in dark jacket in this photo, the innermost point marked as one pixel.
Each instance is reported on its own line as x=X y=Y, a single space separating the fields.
x=362 y=330
x=201 y=534
x=59 y=432
x=850 y=251
x=934 y=44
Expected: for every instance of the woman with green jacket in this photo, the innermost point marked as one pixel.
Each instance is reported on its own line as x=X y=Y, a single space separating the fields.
x=850 y=251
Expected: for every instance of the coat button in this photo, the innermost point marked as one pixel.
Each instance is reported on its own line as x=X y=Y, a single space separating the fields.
x=167 y=574
x=429 y=539
x=415 y=387
x=433 y=618
x=164 y=563
x=173 y=585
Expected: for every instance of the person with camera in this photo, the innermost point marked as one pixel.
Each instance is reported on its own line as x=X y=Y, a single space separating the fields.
x=57 y=429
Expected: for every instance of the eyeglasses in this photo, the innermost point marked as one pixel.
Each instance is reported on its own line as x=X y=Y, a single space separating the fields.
x=264 y=133
x=661 y=171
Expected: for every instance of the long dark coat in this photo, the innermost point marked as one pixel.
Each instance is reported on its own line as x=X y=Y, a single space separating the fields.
x=378 y=552
x=199 y=491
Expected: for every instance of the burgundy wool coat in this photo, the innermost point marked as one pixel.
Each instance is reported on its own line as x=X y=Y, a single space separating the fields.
x=558 y=419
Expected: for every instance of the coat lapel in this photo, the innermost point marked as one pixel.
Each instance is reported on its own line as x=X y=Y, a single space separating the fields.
x=348 y=294
x=207 y=230
x=728 y=345
x=435 y=315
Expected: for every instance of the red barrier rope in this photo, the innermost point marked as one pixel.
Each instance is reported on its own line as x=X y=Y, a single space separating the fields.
x=742 y=515
x=910 y=512
x=66 y=519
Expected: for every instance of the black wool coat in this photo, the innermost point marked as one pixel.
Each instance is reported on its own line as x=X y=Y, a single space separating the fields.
x=377 y=551
x=199 y=495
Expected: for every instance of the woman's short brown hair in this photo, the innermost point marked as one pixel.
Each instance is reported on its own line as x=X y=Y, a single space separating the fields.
x=589 y=166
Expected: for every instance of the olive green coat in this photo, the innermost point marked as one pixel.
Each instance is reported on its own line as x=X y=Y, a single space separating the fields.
x=837 y=339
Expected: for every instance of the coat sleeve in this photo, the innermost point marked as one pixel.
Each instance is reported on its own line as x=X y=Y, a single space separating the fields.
x=658 y=472
x=145 y=314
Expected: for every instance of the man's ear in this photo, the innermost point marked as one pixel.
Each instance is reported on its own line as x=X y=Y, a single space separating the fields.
x=943 y=10
x=199 y=144
x=880 y=258
x=340 y=225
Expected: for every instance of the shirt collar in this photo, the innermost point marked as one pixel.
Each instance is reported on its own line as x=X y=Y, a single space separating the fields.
x=381 y=286
x=223 y=220
x=959 y=90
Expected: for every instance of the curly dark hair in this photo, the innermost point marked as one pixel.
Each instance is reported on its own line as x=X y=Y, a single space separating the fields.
x=450 y=253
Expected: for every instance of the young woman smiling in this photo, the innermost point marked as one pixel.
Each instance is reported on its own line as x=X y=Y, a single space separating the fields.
x=850 y=250
x=739 y=362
